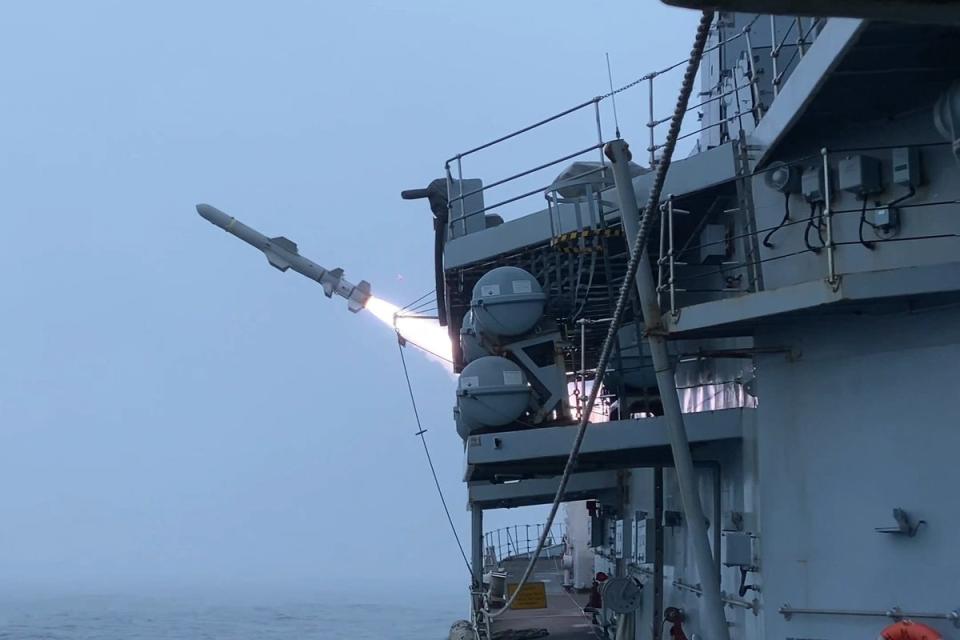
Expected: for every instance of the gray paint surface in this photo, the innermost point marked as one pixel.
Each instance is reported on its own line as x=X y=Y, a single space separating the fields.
x=855 y=375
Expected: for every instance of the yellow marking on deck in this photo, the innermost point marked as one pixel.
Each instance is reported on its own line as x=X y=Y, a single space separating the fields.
x=532 y=596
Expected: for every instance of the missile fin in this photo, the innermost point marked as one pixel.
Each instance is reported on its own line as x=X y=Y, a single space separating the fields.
x=359 y=296
x=364 y=286
x=277 y=261
x=285 y=243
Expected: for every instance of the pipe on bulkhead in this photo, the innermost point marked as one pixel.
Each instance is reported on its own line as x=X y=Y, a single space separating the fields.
x=715 y=622
x=476 y=544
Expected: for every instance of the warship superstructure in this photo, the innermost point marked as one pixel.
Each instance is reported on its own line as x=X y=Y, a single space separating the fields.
x=797 y=301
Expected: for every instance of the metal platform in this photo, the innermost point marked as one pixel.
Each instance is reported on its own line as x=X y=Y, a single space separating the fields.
x=564 y=618
x=499 y=495
x=608 y=445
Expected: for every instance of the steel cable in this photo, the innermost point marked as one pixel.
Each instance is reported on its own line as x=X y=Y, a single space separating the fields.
x=649 y=211
x=433 y=470
x=418 y=300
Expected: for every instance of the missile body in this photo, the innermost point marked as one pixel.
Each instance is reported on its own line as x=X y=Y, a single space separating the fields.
x=282 y=253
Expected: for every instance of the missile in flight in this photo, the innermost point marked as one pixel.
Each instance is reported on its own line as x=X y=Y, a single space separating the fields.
x=282 y=253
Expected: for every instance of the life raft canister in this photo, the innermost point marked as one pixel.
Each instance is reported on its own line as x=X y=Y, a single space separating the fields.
x=909 y=630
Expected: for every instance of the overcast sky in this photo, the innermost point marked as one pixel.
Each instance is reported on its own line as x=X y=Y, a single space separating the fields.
x=174 y=413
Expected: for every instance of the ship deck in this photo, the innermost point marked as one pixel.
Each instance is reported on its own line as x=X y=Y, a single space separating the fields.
x=563 y=619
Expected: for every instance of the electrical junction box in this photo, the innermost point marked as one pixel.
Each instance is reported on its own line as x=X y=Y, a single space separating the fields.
x=811 y=184
x=860 y=175
x=598 y=531
x=884 y=220
x=737 y=549
x=646 y=539
x=713 y=244
x=906 y=167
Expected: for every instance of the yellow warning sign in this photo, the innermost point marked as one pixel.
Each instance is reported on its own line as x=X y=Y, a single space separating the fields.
x=532 y=596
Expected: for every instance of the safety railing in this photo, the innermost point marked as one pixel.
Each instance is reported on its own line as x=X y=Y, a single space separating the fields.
x=520 y=540
x=738 y=93
x=894 y=613
x=682 y=280
x=804 y=35
x=699 y=387
x=672 y=257
x=455 y=171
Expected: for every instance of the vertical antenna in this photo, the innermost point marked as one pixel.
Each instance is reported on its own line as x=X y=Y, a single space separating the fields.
x=613 y=96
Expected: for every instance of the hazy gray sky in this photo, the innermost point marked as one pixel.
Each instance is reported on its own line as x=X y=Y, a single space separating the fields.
x=174 y=413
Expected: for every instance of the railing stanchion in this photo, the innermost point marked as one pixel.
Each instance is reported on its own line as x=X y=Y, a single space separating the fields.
x=774 y=54
x=754 y=81
x=828 y=215
x=650 y=123
x=463 y=214
x=596 y=113
x=449 y=176
x=671 y=256
x=661 y=258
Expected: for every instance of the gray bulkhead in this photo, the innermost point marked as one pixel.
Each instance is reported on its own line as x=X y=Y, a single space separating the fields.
x=855 y=351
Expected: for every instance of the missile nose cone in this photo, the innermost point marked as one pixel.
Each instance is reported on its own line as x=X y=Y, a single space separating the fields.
x=214 y=215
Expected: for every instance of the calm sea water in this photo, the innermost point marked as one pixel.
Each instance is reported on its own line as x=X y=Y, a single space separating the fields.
x=124 y=618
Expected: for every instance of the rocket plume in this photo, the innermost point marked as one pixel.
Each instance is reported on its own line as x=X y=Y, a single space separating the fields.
x=420 y=331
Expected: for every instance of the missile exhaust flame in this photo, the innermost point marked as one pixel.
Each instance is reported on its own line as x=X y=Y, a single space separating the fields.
x=420 y=331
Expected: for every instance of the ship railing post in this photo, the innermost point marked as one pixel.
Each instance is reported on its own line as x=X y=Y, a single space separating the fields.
x=596 y=114
x=651 y=123
x=672 y=256
x=736 y=97
x=583 y=366
x=661 y=259
x=774 y=54
x=754 y=80
x=463 y=214
x=449 y=230
x=828 y=219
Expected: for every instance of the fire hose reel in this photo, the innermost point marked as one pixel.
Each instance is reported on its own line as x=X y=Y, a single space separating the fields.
x=622 y=594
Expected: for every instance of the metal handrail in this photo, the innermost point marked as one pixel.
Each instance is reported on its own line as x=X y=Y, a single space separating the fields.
x=595 y=102
x=802 y=41
x=753 y=606
x=582 y=105
x=895 y=613
x=526 y=172
x=531 y=127
x=730 y=601
x=778 y=41
x=669 y=284
x=520 y=539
